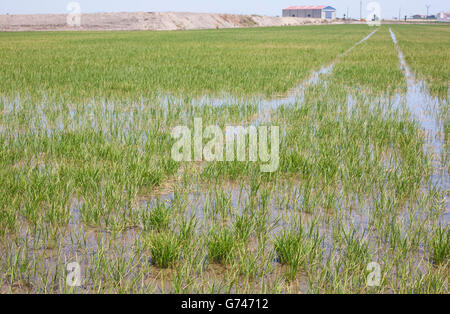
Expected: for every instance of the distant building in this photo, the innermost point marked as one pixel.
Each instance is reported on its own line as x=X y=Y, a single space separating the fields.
x=314 y=12
x=443 y=16
x=419 y=16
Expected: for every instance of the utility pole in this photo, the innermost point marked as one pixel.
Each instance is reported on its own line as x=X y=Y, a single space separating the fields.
x=360 y=10
x=399 y=14
x=347 y=12
x=428 y=10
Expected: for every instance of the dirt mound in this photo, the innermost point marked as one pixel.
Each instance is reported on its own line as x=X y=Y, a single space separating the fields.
x=146 y=21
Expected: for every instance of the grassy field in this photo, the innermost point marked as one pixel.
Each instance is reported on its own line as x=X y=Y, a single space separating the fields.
x=131 y=65
x=427 y=54
x=87 y=175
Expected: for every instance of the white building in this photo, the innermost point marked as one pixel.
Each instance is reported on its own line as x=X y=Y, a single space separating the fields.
x=312 y=11
x=443 y=16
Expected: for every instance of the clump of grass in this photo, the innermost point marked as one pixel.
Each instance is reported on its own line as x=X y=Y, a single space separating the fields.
x=222 y=204
x=8 y=222
x=220 y=244
x=243 y=227
x=165 y=249
x=356 y=248
x=298 y=247
x=440 y=246
x=157 y=219
x=288 y=246
x=187 y=228
x=249 y=264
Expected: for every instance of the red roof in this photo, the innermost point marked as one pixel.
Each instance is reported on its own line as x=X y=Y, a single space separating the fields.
x=307 y=7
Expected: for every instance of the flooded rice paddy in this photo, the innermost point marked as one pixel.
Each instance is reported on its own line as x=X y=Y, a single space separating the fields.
x=363 y=178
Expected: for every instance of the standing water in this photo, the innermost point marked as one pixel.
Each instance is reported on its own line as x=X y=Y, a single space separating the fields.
x=423 y=106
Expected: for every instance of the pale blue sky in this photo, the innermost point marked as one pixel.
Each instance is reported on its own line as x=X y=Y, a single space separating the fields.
x=390 y=8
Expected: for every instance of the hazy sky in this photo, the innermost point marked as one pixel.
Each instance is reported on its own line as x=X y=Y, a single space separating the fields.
x=390 y=8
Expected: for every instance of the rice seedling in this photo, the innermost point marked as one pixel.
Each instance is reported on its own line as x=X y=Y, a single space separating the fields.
x=290 y=251
x=220 y=244
x=157 y=218
x=165 y=248
x=244 y=226
x=440 y=245
x=187 y=228
x=297 y=248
